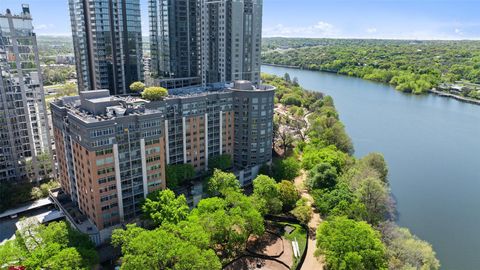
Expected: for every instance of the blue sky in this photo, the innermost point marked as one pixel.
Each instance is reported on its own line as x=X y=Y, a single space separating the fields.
x=400 y=19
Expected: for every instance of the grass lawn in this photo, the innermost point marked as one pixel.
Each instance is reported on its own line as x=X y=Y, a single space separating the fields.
x=300 y=234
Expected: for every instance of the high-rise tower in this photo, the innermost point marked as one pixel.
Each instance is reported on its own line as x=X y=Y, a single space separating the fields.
x=218 y=41
x=107 y=39
x=231 y=35
x=24 y=134
x=173 y=38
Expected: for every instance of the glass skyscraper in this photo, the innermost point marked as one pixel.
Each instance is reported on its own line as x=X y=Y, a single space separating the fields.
x=107 y=39
x=217 y=41
x=174 y=39
x=24 y=133
x=231 y=35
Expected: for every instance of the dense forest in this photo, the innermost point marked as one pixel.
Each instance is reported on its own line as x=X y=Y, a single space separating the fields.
x=411 y=66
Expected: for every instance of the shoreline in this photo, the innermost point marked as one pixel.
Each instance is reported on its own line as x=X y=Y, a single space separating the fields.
x=431 y=91
x=459 y=98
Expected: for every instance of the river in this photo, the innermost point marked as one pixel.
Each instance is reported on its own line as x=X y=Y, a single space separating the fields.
x=432 y=146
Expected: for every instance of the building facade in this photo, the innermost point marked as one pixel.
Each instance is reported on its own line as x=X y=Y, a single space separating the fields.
x=107 y=39
x=24 y=132
x=207 y=41
x=231 y=36
x=113 y=151
x=174 y=38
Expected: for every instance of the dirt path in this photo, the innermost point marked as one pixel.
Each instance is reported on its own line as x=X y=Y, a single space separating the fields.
x=311 y=262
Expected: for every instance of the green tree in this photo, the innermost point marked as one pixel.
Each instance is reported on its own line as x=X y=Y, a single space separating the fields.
x=406 y=251
x=340 y=201
x=222 y=182
x=163 y=206
x=286 y=77
x=68 y=89
x=221 y=162
x=303 y=211
x=160 y=249
x=377 y=162
x=348 y=244
x=375 y=196
x=288 y=194
x=154 y=93
x=323 y=176
x=312 y=156
x=137 y=87
x=285 y=169
x=56 y=246
x=179 y=174
x=266 y=193
x=229 y=221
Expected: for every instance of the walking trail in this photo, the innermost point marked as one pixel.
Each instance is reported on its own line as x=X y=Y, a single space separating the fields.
x=311 y=262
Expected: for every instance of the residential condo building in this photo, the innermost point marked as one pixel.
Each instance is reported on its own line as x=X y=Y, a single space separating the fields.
x=113 y=150
x=24 y=132
x=107 y=40
x=205 y=41
x=174 y=38
x=231 y=36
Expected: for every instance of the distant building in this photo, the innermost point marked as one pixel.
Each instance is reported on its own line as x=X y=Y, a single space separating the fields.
x=24 y=132
x=205 y=41
x=112 y=151
x=65 y=59
x=107 y=40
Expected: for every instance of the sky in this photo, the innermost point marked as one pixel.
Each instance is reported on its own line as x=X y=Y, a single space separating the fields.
x=392 y=19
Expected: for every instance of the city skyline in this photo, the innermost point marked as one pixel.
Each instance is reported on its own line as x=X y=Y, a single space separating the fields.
x=389 y=19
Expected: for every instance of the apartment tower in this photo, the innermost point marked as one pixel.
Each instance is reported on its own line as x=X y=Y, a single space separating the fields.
x=231 y=35
x=107 y=39
x=218 y=41
x=174 y=39
x=24 y=133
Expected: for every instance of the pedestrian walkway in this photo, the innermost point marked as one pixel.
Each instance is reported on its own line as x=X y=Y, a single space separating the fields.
x=311 y=262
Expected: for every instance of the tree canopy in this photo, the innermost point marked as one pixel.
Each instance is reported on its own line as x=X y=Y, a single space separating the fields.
x=349 y=244
x=222 y=182
x=161 y=249
x=137 y=87
x=179 y=174
x=413 y=67
x=163 y=206
x=221 y=162
x=55 y=246
x=266 y=193
x=154 y=93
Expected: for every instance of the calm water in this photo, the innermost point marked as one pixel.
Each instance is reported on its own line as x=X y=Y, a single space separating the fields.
x=432 y=146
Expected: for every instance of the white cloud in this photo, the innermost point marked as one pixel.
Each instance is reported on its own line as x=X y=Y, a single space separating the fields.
x=371 y=30
x=320 y=29
x=458 y=31
x=44 y=26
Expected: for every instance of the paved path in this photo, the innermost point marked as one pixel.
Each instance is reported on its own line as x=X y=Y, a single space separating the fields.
x=311 y=262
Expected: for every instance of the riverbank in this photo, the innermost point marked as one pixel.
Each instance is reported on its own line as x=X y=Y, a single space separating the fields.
x=433 y=91
x=459 y=98
x=415 y=134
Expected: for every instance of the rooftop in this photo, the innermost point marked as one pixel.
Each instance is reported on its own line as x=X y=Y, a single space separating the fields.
x=73 y=213
x=27 y=207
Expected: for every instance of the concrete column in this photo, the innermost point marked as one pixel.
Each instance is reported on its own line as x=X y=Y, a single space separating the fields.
x=206 y=142
x=144 y=168
x=118 y=181
x=184 y=127
x=74 y=173
x=167 y=145
x=221 y=132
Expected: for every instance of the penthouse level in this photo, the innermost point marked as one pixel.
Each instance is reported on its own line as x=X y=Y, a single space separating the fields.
x=113 y=150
